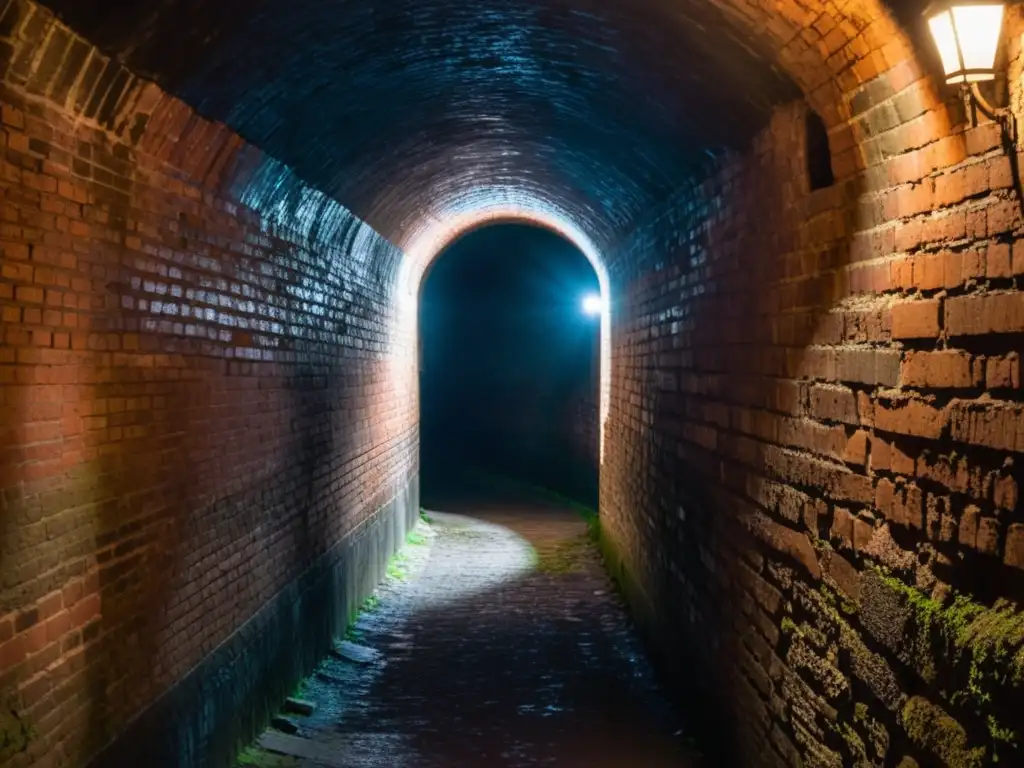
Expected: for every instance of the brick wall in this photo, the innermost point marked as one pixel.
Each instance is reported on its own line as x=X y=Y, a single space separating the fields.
x=199 y=401
x=811 y=487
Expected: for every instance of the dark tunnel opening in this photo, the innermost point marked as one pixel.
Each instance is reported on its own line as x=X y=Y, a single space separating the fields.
x=509 y=363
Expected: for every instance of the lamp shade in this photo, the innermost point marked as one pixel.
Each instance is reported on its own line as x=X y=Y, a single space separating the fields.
x=966 y=32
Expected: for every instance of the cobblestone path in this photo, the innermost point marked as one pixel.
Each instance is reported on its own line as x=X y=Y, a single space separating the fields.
x=499 y=642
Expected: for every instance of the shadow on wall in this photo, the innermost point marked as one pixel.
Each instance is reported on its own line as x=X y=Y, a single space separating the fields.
x=94 y=453
x=802 y=509
x=740 y=359
x=689 y=573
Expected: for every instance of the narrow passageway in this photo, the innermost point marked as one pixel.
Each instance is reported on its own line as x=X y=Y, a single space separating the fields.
x=501 y=642
x=237 y=348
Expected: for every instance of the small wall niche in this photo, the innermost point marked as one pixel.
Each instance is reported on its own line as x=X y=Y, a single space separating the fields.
x=818 y=152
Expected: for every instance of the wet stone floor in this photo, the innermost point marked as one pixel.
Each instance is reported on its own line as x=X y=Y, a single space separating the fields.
x=496 y=640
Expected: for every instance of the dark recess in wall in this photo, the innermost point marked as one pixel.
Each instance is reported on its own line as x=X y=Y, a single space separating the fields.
x=819 y=154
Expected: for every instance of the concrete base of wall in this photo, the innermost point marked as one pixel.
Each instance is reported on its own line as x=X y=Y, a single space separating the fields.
x=225 y=702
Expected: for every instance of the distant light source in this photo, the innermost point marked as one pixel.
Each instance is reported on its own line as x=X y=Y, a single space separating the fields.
x=592 y=304
x=966 y=32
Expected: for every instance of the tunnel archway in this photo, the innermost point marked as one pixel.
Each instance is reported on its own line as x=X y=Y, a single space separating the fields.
x=483 y=210
x=477 y=86
x=510 y=374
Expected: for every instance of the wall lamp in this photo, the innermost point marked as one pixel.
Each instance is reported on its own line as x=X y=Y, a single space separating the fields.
x=967 y=34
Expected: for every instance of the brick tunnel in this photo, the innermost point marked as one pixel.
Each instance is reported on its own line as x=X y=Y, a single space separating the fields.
x=216 y=218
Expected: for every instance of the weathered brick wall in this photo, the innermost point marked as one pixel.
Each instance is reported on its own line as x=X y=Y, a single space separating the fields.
x=199 y=396
x=811 y=487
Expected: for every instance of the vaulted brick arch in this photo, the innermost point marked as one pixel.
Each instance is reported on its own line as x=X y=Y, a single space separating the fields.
x=537 y=98
x=431 y=240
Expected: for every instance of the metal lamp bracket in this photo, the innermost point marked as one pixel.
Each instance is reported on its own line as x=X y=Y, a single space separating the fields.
x=1007 y=122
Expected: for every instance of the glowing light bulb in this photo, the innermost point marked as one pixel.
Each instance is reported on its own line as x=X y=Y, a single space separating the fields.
x=966 y=32
x=592 y=304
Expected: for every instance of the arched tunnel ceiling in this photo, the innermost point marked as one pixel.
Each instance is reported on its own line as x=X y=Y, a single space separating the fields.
x=391 y=106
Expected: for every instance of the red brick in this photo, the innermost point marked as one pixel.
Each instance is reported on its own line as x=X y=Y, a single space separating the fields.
x=915 y=320
x=880 y=454
x=73 y=592
x=13 y=652
x=968 y=531
x=1015 y=546
x=29 y=294
x=842 y=526
x=845 y=575
x=833 y=403
x=1005 y=493
x=910 y=416
x=35 y=638
x=899 y=460
x=868 y=366
x=973 y=264
x=983 y=138
x=863 y=532
x=1003 y=372
x=991 y=313
x=50 y=605
x=900 y=504
x=909 y=236
x=988 y=423
x=856 y=448
x=884 y=494
x=1017 y=259
x=988 y=536
x=950 y=368
x=794 y=544
x=998 y=262
x=58 y=626
x=866 y=409
x=1003 y=216
x=84 y=610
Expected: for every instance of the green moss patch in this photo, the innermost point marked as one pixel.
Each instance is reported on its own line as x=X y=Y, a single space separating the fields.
x=398 y=567
x=973 y=653
x=929 y=726
x=257 y=757
x=15 y=733
x=565 y=557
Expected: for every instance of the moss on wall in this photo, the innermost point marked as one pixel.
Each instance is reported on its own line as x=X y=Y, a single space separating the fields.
x=974 y=655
